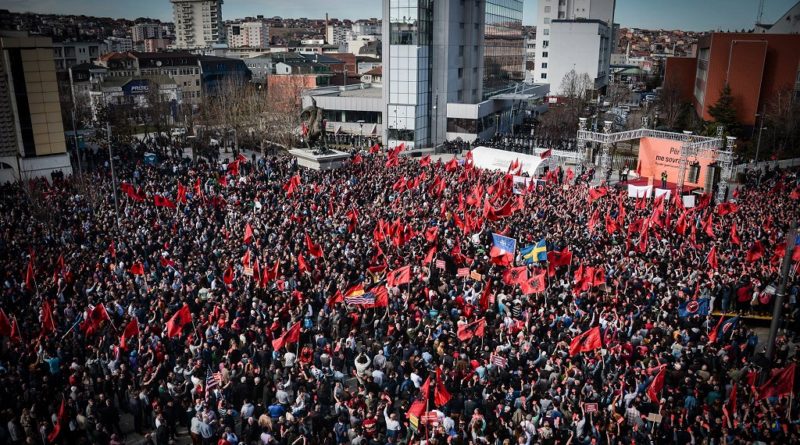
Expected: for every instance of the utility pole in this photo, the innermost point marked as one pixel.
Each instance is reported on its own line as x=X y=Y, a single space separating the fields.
x=77 y=148
x=760 y=130
x=781 y=291
x=113 y=175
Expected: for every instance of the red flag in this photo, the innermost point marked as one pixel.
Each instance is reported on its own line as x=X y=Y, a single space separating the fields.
x=734 y=236
x=755 y=252
x=475 y=329
x=657 y=385
x=357 y=159
x=161 y=201
x=181 y=198
x=137 y=268
x=537 y=284
x=440 y=394
x=381 y=298
x=431 y=233
x=781 y=382
x=227 y=277
x=560 y=259
x=515 y=275
x=597 y=193
x=425 y=161
x=15 y=336
x=271 y=273
x=399 y=276
x=60 y=418
x=94 y=319
x=546 y=154
x=313 y=249
x=5 y=324
x=429 y=256
x=680 y=225
x=712 y=258
x=29 y=276
x=483 y=302
x=375 y=148
x=246 y=258
x=708 y=226
x=451 y=165
x=292 y=335
x=712 y=336
x=611 y=225
x=730 y=407
x=301 y=264
x=178 y=320
x=48 y=325
x=336 y=298
x=248 y=233
x=131 y=331
x=586 y=342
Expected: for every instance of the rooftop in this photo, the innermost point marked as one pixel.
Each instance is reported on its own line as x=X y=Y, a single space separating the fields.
x=357 y=90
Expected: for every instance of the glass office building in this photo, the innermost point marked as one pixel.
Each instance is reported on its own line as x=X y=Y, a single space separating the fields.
x=504 y=46
x=410 y=37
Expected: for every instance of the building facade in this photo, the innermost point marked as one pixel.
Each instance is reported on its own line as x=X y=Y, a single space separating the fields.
x=253 y=34
x=144 y=31
x=437 y=55
x=67 y=54
x=564 y=10
x=198 y=23
x=504 y=46
x=32 y=142
x=581 y=45
x=755 y=66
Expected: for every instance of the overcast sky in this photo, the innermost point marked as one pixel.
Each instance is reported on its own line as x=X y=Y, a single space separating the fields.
x=696 y=15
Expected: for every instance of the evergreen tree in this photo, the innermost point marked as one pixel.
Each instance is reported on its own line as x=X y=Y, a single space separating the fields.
x=724 y=113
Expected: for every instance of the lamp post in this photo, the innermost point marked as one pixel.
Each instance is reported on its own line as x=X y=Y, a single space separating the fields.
x=361 y=132
x=113 y=175
x=760 y=130
x=435 y=121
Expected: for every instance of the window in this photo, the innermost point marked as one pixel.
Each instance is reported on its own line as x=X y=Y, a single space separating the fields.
x=546 y=32
x=545 y=53
x=461 y=51
x=544 y=75
x=544 y=65
x=545 y=43
x=547 y=9
x=460 y=73
x=547 y=20
x=401 y=135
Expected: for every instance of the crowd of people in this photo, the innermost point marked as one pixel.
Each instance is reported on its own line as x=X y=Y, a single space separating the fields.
x=255 y=302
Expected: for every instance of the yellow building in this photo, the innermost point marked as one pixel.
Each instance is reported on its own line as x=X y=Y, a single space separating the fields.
x=31 y=131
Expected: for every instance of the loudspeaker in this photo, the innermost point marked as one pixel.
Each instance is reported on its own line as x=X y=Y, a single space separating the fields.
x=694 y=173
x=712 y=177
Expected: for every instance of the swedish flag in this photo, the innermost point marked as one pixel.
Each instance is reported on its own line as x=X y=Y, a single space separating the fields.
x=527 y=254
x=540 y=251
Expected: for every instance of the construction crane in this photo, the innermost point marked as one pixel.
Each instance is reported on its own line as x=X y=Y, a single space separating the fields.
x=760 y=15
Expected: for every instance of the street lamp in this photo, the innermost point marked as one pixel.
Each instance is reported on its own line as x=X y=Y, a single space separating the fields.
x=361 y=129
x=760 y=130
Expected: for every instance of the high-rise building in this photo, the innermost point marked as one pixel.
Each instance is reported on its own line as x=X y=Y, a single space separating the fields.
x=144 y=31
x=31 y=131
x=198 y=23
x=581 y=24
x=253 y=34
x=441 y=63
x=504 y=46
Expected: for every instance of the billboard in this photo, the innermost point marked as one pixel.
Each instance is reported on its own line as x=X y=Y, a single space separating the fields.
x=664 y=155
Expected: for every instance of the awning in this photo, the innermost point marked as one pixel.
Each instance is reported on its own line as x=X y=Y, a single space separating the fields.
x=494 y=159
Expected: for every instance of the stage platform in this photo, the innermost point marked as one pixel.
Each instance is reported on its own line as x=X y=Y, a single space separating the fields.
x=643 y=188
x=330 y=160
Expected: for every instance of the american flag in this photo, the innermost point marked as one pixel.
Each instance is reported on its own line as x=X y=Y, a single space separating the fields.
x=499 y=360
x=440 y=264
x=213 y=379
x=462 y=272
x=368 y=298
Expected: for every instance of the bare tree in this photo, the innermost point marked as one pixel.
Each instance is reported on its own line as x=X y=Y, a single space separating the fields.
x=782 y=136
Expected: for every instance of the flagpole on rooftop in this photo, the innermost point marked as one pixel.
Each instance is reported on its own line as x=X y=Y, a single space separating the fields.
x=779 y=295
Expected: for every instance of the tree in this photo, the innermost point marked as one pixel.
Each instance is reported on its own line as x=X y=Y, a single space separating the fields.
x=724 y=113
x=670 y=105
x=781 y=136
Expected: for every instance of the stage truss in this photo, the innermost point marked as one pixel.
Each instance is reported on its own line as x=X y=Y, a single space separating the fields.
x=692 y=146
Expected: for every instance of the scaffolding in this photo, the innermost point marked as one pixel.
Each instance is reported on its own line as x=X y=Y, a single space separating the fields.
x=692 y=146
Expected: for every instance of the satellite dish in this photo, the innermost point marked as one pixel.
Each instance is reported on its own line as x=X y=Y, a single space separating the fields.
x=158 y=63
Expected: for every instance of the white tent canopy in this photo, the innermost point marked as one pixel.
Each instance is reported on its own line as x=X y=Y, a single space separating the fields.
x=494 y=159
